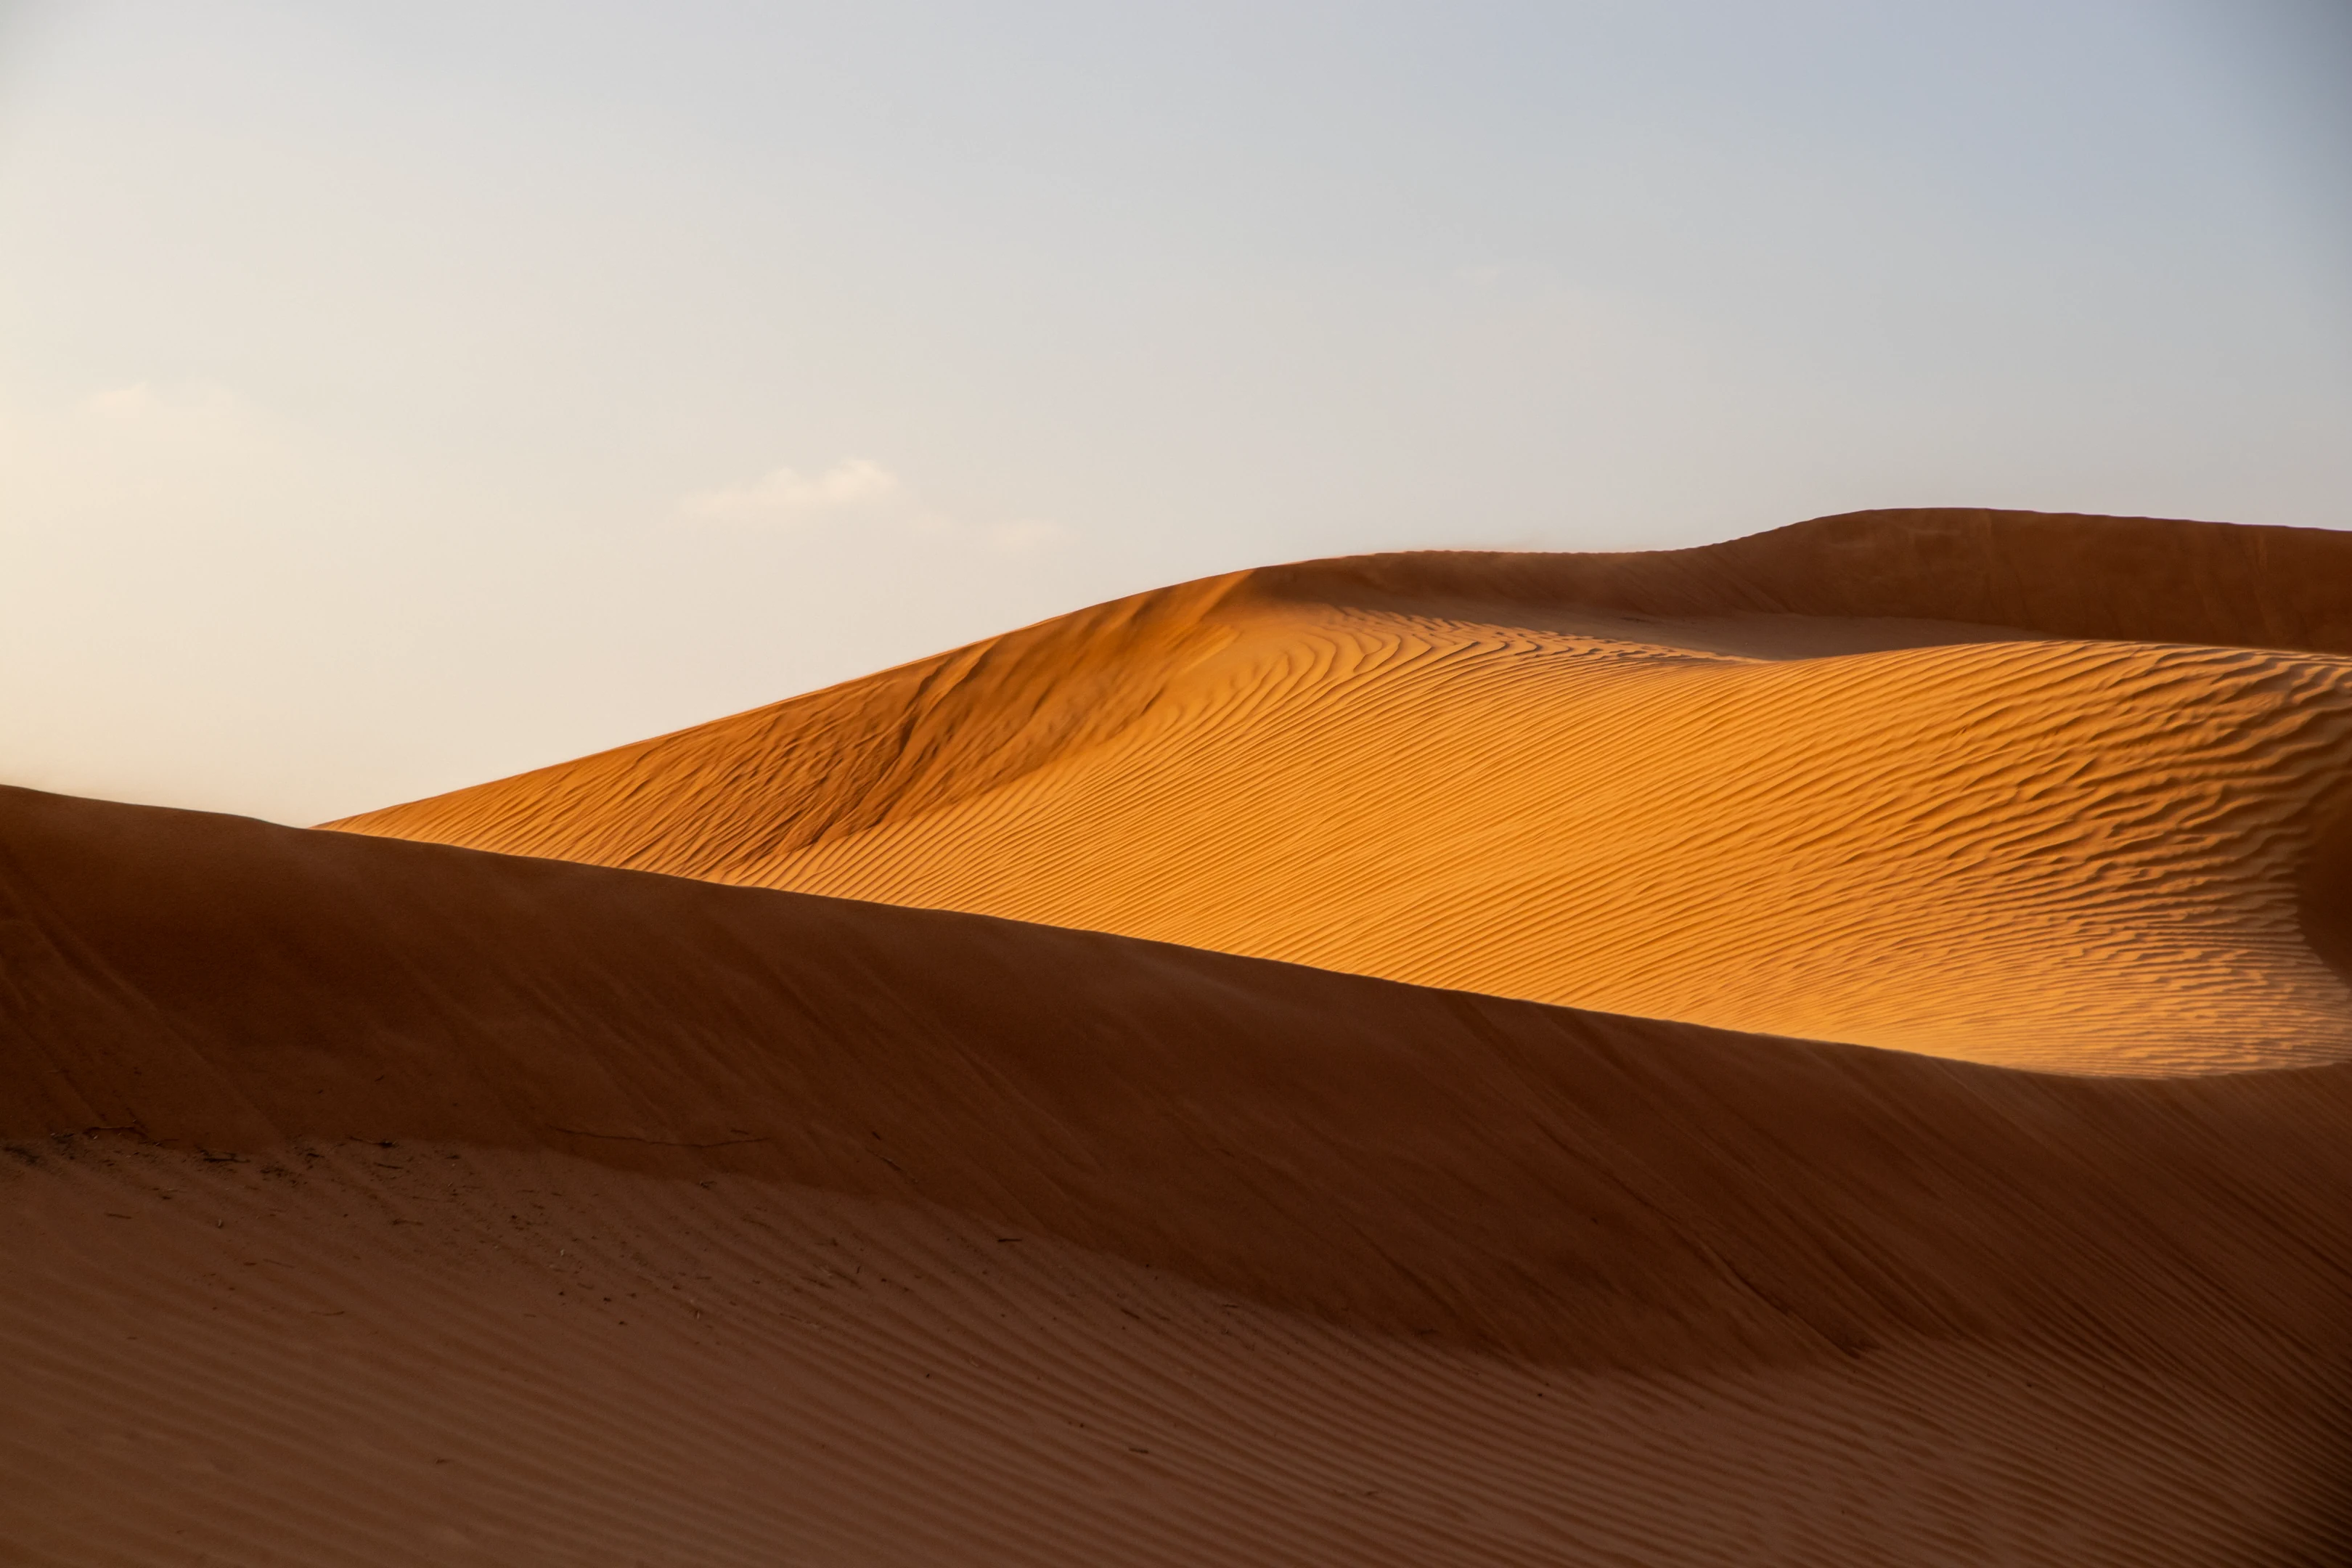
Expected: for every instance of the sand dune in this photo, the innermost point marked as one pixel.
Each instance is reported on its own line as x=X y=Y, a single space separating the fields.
x=2054 y=792
x=350 y=1354
x=1430 y=1104
x=378 y=1202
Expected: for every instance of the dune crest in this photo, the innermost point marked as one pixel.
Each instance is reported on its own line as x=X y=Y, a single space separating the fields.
x=2038 y=790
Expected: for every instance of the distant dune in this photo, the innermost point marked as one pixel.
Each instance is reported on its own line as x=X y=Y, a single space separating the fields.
x=390 y=1203
x=2069 y=792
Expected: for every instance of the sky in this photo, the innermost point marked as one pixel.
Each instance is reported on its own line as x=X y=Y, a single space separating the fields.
x=394 y=397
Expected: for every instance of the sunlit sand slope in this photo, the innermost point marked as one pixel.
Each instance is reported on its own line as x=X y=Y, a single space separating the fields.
x=384 y=1202
x=2045 y=791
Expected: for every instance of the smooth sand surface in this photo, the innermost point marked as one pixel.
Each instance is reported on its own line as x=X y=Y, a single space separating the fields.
x=379 y=1202
x=2046 y=791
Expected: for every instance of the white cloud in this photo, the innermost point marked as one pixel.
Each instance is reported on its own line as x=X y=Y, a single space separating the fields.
x=122 y=401
x=784 y=497
x=1027 y=534
x=854 y=490
x=138 y=453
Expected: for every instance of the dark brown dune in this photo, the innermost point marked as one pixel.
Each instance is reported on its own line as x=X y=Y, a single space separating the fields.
x=2110 y=1311
x=2056 y=575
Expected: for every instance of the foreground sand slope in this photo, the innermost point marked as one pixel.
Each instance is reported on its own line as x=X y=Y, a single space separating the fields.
x=352 y=1355
x=310 y=1124
x=2047 y=791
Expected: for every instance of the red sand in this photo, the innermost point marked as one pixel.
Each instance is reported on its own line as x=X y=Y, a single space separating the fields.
x=1858 y=1258
x=382 y=1202
x=1795 y=784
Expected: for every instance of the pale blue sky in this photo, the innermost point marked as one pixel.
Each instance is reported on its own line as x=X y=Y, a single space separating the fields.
x=392 y=396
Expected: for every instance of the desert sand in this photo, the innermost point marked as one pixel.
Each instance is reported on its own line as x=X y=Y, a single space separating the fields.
x=2041 y=791
x=1826 y=1049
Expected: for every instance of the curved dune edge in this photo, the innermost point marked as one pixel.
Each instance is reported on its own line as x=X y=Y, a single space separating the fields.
x=2038 y=790
x=1949 y=1283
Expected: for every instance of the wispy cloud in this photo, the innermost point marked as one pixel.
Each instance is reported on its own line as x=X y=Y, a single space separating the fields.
x=122 y=401
x=1028 y=534
x=169 y=450
x=782 y=497
x=855 y=490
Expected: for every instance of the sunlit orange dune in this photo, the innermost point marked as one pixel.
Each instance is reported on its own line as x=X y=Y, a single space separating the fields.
x=2051 y=791
x=384 y=1202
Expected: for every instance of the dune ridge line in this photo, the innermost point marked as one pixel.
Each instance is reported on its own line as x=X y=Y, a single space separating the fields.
x=2047 y=790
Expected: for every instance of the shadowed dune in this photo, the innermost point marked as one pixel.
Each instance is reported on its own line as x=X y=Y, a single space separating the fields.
x=384 y=1202
x=2047 y=791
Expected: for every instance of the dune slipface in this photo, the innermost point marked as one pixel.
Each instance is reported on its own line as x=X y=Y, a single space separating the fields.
x=2043 y=791
x=1375 y=1061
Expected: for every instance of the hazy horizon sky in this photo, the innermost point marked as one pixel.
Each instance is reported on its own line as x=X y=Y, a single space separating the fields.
x=394 y=397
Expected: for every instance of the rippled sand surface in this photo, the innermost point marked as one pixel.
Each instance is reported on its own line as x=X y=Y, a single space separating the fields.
x=1826 y=1049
